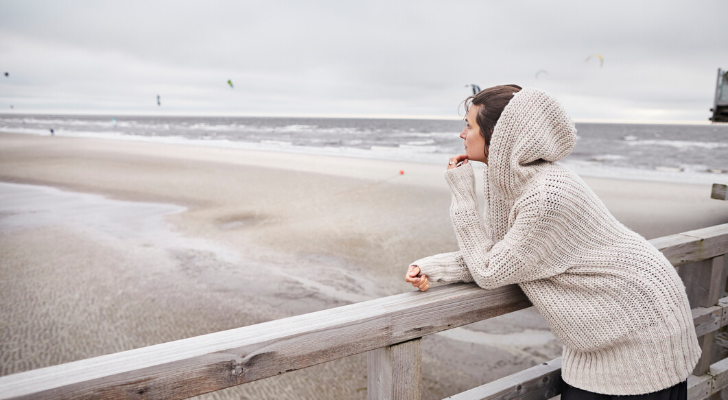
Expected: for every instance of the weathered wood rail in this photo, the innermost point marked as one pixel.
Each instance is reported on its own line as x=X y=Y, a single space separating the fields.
x=389 y=329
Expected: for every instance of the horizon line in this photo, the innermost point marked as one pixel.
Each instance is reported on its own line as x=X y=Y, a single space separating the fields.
x=330 y=116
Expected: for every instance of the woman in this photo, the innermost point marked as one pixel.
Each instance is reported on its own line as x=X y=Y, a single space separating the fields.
x=613 y=300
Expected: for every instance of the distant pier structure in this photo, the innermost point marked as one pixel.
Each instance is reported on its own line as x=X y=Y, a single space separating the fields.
x=720 y=104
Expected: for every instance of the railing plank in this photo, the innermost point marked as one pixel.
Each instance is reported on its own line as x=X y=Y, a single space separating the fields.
x=540 y=382
x=708 y=319
x=212 y=362
x=692 y=246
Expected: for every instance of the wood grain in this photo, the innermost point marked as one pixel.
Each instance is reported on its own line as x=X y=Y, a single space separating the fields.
x=692 y=246
x=540 y=382
x=202 y=364
x=719 y=371
x=699 y=387
x=718 y=191
x=395 y=372
x=708 y=319
x=706 y=342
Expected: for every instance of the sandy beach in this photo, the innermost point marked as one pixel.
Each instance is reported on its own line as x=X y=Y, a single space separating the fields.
x=113 y=245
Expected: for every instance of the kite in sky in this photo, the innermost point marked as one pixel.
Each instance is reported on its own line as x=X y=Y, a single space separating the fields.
x=543 y=71
x=230 y=82
x=601 y=60
x=7 y=74
x=475 y=87
x=159 y=102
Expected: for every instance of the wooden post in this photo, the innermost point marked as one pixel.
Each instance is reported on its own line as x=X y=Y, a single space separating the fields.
x=703 y=281
x=705 y=288
x=719 y=191
x=395 y=372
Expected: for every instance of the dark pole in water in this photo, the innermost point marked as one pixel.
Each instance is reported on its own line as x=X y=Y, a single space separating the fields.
x=720 y=103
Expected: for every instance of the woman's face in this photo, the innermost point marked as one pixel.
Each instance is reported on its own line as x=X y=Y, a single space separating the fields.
x=475 y=147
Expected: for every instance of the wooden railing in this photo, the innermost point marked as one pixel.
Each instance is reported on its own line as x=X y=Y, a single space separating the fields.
x=389 y=329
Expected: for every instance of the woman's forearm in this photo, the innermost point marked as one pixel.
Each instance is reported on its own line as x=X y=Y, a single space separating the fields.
x=445 y=267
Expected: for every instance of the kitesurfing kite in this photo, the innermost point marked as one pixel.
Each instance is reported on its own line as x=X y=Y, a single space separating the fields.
x=7 y=74
x=159 y=102
x=543 y=71
x=601 y=60
x=230 y=82
x=475 y=87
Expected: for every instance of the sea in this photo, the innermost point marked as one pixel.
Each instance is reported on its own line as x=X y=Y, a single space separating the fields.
x=672 y=153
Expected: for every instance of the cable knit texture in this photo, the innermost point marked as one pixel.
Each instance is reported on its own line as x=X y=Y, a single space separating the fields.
x=613 y=300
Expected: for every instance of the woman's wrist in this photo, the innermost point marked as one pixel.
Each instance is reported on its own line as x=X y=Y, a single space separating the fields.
x=461 y=181
x=457 y=161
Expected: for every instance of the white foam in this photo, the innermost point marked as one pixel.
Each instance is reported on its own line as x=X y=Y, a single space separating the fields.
x=680 y=144
x=420 y=142
x=665 y=174
x=608 y=157
x=275 y=143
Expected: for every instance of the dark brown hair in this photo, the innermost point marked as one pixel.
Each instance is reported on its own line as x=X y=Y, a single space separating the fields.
x=493 y=101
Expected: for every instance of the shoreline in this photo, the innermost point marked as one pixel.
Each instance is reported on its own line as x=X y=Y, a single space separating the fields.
x=586 y=169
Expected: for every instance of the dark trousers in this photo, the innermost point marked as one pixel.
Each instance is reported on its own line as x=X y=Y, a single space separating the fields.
x=677 y=392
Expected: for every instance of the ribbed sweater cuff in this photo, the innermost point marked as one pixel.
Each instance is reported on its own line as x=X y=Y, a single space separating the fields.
x=445 y=267
x=462 y=184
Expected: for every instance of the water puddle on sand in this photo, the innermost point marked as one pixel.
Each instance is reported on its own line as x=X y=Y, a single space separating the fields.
x=141 y=226
x=137 y=223
x=30 y=206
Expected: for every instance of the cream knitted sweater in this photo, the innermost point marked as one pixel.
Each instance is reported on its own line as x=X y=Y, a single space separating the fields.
x=613 y=300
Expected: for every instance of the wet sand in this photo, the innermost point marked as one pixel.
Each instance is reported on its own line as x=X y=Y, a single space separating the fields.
x=178 y=241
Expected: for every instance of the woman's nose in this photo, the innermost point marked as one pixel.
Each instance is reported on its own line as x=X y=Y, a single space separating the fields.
x=463 y=134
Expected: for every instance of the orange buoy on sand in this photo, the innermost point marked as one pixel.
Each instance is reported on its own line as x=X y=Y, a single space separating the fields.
x=401 y=172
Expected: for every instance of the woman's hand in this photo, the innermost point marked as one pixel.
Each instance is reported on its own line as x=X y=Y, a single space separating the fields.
x=419 y=281
x=454 y=161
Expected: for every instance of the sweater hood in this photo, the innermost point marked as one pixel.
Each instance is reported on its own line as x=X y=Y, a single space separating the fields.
x=532 y=130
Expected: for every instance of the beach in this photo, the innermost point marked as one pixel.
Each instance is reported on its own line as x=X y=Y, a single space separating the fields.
x=111 y=245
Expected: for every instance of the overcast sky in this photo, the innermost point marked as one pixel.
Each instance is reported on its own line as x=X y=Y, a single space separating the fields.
x=363 y=58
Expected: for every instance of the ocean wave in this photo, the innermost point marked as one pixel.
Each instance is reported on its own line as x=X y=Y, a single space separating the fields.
x=275 y=143
x=420 y=142
x=419 y=148
x=680 y=144
x=297 y=128
x=57 y=122
x=213 y=127
x=608 y=157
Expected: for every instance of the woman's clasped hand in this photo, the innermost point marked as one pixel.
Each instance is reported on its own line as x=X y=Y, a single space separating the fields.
x=454 y=162
x=416 y=279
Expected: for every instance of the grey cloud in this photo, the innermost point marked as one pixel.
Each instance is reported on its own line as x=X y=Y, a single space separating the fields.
x=333 y=57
